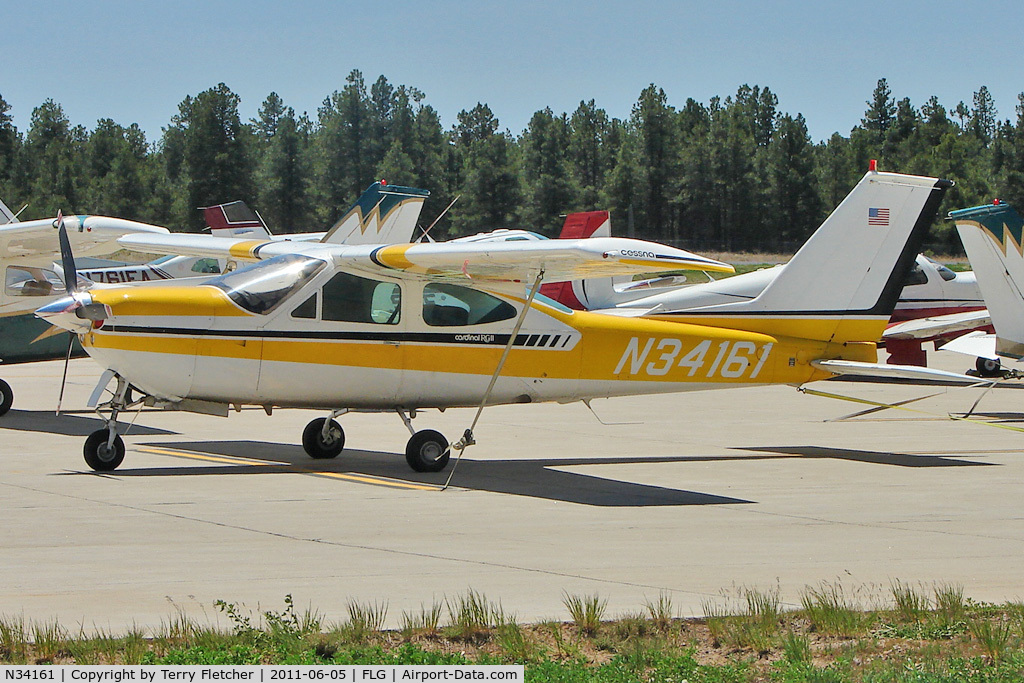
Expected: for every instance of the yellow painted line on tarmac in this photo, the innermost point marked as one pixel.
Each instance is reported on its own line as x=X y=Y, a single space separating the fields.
x=379 y=481
x=232 y=460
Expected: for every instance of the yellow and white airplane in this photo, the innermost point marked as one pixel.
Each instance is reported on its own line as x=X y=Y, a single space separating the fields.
x=409 y=327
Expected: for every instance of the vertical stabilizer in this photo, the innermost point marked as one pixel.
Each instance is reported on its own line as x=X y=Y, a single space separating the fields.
x=845 y=280
x=383 y=214
x=992 y=236
x=6 y=215
x=235 y=219
x=578 y=226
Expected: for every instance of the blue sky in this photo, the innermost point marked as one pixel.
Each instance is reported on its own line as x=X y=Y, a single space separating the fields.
x=135 y=61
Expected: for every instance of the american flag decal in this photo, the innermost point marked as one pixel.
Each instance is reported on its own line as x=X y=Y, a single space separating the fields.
x=878 y=216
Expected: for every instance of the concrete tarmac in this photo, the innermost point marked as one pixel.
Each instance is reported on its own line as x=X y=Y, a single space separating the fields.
x=695 y=495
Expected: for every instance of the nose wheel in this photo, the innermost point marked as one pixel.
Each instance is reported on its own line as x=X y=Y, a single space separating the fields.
x=103 y=453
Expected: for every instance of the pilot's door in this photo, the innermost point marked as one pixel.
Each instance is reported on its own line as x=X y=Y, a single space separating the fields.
x=340 y=346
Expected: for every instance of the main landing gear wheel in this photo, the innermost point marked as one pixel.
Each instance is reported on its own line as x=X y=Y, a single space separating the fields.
x=427 y=451
x=321 y=445
x=988 y=367
x=6 y=397
x=99 y=455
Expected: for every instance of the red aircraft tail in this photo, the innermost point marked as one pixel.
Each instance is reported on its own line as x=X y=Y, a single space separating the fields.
x=577 y=226
x=234 y=219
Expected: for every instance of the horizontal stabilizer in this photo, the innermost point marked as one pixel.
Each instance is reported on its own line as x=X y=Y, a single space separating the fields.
x=976 y=344
x=885 y=371
x=938 y=326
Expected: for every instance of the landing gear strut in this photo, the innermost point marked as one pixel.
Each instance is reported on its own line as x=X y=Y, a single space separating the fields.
x=104 y=449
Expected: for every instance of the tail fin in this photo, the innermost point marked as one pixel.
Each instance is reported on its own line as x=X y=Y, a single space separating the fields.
x=579 y=226
x=383 y=214
x=992 y=236
x=234 y=219
x=6 y=215
x=845 y=280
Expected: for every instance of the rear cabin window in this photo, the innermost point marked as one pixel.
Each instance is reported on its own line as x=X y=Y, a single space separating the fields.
x=354 y=299
x=446 y=305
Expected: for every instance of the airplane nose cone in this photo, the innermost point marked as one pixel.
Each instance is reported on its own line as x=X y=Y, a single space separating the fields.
x=73 y=313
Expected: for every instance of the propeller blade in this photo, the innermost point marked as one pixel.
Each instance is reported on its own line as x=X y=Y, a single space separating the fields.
x=64 y=379
x=66 y=257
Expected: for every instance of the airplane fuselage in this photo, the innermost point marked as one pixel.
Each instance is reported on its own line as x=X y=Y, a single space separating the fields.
x=199 y=344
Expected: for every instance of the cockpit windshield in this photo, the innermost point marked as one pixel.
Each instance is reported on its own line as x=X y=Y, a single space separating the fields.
x=260 y=288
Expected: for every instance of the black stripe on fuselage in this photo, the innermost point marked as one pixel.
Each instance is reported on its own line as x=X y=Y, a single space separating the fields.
x=469 y=338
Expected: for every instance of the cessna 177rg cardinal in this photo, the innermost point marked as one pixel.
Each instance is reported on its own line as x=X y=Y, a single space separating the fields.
x=409 y=327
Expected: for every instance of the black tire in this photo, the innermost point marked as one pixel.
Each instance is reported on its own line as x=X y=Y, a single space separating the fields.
x=427 y=451
x=313 y=439
x=6 y=397
x=988 y=367
x=98 y=456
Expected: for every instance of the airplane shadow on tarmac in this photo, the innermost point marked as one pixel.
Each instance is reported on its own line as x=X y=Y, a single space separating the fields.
x=533 y=478
x=65 y=424
x=876 y=457
x=538 y=478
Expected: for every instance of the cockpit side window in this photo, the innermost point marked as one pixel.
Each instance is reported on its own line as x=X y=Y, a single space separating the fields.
x=354 y=299
x=32 y=281
x=945 y=273
x=446 y=305
x=916 y=276
x=260 y=288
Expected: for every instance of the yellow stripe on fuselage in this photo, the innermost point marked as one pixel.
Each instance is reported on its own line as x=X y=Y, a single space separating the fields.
x=168 y=301
x=834 y=329
x=610 y=349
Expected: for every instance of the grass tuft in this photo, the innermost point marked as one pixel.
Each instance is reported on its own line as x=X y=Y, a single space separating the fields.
x=586 y=611
x=13 y=641
x=425 y=623
x=831 y=611
x=472 y=616
x=364 y=621
x=992 y=635
x=909 y=604
x=661 y=611
x=949 y=602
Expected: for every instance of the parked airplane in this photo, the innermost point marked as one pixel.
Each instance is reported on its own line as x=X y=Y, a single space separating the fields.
x=992 y=236
x=26 y=255
x=382 y=212
x=930 y=289
x=408 y=327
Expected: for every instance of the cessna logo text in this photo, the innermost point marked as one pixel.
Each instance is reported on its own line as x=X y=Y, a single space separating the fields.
x=638 y=254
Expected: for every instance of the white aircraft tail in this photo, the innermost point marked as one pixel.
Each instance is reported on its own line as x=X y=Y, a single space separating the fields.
x=992 y=237
x=383 y=214
x=852 y=268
